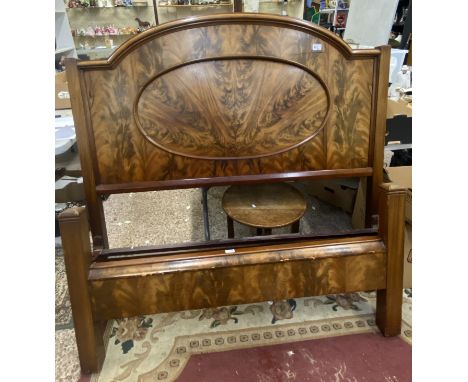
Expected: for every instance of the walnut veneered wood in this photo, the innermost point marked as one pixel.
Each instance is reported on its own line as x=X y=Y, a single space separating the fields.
x=264 y=205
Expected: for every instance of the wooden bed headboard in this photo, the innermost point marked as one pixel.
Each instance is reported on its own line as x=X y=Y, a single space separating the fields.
x=224 y=99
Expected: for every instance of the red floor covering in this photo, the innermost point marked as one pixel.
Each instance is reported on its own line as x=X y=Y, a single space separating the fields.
x=354 y=358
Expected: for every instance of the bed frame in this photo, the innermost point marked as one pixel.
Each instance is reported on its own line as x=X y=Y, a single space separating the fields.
x=219 y=100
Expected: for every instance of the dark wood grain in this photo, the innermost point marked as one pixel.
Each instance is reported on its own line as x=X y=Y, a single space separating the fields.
x=77 y=255
x=378 y=136
x=255 y=274
x=86 y=149
x=232 y=108
x=264 y=205
x=228 y=180
x=223 y=100
x=392 y=230
x=169 y=115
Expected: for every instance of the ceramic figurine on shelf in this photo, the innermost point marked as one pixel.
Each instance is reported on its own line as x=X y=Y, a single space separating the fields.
x=142 y=24
x=90 y=32
x=110 y=29
x=92 y=3
x=81 y=32
x=119 y=3
x=98 y=31
x=128 y=3
x=84 y=3
x=108 y=42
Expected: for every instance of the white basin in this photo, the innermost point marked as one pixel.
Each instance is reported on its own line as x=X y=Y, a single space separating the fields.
x=65 y=135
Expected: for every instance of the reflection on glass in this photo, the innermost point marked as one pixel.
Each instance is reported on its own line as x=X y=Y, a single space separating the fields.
x=292 y=8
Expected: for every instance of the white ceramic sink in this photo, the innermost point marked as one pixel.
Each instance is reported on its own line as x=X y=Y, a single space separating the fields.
x=65 y=135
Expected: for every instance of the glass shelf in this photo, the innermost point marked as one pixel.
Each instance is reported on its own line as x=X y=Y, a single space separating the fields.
x=195 y=5
x=131 y=7
x=107 y=35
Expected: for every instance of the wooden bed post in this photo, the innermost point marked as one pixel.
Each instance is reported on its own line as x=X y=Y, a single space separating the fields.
x=392 y=230
x=85 y=142
x=77 y=253
x=381 y=70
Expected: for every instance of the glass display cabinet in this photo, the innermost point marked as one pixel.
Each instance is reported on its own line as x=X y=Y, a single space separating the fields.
x=292 y=8
x=99 y=26
x=168 y=10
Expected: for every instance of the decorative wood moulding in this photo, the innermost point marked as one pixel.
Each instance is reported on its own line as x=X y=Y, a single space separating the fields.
x=266 y=273
x=230 y=18
x=232 y=107
x=117 y=188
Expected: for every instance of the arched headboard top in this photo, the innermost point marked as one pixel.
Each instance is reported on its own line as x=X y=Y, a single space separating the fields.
x=225 y=19
x=228 y=96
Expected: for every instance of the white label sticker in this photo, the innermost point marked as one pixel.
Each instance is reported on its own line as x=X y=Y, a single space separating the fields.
x=317 y=47
x=229 y=251
x=63 y=95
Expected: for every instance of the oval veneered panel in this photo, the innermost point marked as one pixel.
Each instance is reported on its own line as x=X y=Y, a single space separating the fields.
x=232 y=108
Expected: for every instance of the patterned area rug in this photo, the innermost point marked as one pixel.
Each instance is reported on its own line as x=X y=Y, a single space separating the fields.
x=160 y=347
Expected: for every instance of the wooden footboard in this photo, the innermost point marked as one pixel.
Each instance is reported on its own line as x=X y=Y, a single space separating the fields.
x=124 y=288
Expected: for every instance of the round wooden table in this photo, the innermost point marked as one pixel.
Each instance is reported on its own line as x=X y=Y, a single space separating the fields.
x=264 y=206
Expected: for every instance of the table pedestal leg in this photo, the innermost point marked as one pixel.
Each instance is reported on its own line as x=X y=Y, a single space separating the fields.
x=230 y=224
x=295 y=227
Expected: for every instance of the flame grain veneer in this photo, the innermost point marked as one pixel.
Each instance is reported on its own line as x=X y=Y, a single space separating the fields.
x=228 y=99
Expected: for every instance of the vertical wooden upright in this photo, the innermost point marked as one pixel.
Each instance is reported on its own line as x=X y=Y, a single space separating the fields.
x=237 y=5
x=86 y=151
x=376 y=158
x=392 y=229
x=77 y=253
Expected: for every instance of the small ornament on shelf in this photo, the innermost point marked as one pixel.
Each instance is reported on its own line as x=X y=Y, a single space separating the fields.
x=142 y=24
x=341 y=19
x=98 y=31
x=111 y=30
x=90 y=32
